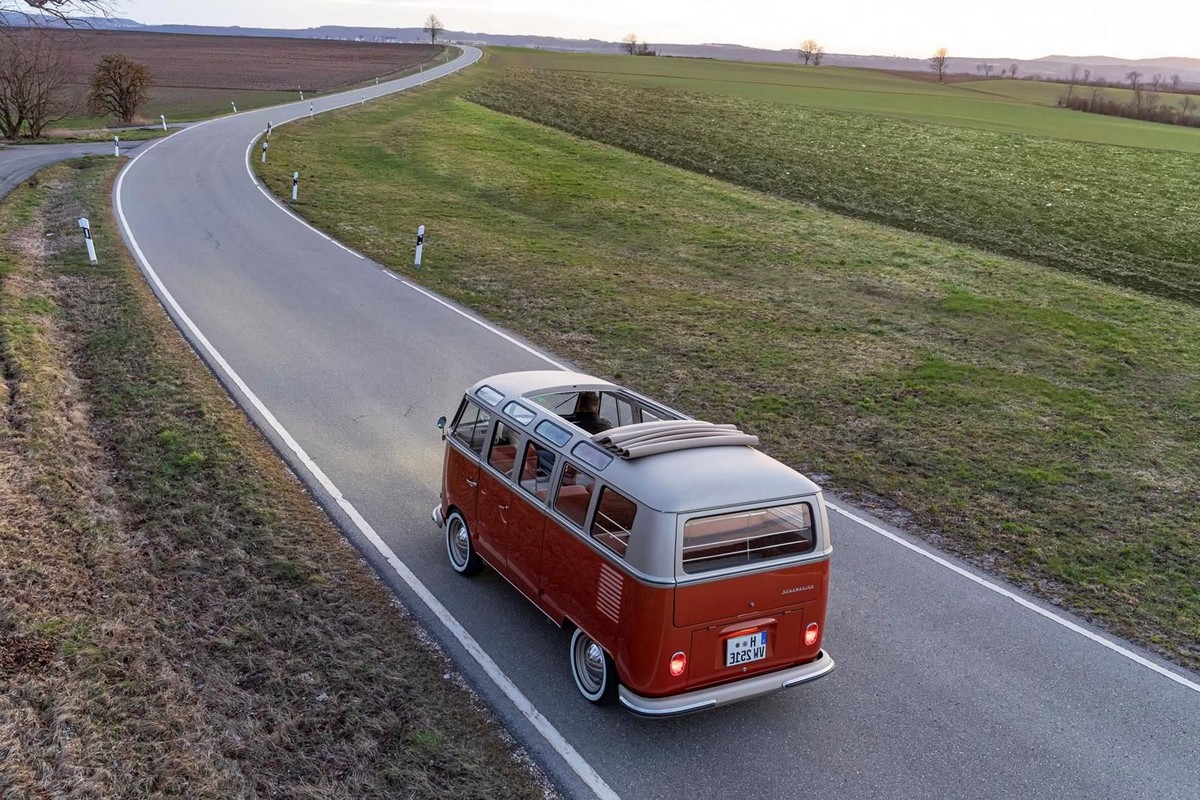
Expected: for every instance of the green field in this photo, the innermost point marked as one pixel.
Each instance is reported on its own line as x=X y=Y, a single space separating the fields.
x=184 y=105
x=1130 y=216
x=863 y=91
x=1040 y=423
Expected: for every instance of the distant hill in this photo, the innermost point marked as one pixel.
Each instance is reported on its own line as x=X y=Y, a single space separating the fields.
x=1048 y=67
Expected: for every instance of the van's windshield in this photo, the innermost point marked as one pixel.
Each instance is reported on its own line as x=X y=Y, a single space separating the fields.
x=747 y=537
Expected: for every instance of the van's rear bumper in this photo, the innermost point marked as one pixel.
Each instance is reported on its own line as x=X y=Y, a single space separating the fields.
x=437 y=516
x=725 y=694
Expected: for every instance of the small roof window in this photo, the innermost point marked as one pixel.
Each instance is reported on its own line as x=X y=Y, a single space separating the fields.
x=519 y=412
x=489 y=395
x=592 y=455
x=560 y=436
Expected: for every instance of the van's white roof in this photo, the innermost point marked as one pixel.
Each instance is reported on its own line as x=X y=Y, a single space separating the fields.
x=678 y=481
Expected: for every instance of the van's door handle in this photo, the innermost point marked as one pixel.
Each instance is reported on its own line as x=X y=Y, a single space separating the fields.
x=472 y=483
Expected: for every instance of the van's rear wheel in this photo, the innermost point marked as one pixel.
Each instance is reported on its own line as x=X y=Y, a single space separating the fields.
x=594 y=672
x=460 y=548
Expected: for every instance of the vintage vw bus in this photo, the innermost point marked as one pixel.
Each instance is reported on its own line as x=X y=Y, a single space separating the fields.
x=692 y=569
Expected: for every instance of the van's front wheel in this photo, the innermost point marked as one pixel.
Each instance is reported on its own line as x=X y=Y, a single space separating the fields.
x=594 y=672
x=460 y=548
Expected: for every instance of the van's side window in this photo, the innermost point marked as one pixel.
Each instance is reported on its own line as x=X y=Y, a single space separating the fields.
x=471 y=427
x=504 y=448
x=574 y=494
x=613 y=520
x=536 y=469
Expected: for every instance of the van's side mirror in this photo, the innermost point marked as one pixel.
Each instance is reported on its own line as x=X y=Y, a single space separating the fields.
x=441 y=423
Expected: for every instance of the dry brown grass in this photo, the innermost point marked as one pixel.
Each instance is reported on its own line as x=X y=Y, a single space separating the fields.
x=176 y=615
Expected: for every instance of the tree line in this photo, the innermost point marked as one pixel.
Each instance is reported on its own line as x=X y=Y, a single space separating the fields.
x=1146 y=102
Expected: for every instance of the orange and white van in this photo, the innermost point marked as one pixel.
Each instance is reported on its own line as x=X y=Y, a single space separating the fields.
x=692 y=569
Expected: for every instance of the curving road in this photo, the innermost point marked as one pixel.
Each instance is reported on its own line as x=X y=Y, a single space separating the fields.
x=948 y=685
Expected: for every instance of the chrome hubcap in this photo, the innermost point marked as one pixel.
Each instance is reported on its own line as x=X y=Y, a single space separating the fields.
x=461 y=543
x=593 y=666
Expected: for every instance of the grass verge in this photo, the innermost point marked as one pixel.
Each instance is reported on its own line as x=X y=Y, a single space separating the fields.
x=177 y=617
x=1041 y=424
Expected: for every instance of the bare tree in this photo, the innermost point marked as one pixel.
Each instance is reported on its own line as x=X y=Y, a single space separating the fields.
x=937 y=62
x=1156 y=81
x=818 y=56
x=1185 y=108
x=34 y=11
x=1133 y=78
x=1072 y=78
x=808 y=49
x=1175 y=81
x=1012 y=70
x=433 y=27
x=1087 y=76
x=1096 y=87
x=1148 y=103
x=630 y=44
x=32 y=84
x=120 y=86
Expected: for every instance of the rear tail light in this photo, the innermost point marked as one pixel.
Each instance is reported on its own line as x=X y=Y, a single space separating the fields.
x=811 y=634
x=678 y=664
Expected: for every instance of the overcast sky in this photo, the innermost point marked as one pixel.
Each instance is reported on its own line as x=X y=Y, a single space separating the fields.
x=997 y=29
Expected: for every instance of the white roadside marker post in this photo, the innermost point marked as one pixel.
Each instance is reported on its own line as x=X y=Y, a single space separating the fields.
x=269 y=124
x=363 y=101
x=163 y=117
x=420 y=246
x=266 y=144
x=87 y=237
x=234 y=106
x=311 y=107
x=377 y=81
x=301 y=92
x=117 y=146
x=295 y=186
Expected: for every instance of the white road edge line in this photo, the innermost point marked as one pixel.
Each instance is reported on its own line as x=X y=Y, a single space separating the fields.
x=258 y=185
x=379 y=91
x=1035 y=608
x=483 y=324
x=543 y=726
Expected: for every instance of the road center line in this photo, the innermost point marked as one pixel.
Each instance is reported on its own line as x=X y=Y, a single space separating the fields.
x=1034 y=607
x=569 y=754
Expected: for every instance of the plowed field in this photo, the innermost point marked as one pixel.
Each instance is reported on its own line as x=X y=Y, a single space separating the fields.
x=241 y=62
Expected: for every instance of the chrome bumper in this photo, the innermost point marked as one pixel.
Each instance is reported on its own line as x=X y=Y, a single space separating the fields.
x=437 y=516
x=728 y=693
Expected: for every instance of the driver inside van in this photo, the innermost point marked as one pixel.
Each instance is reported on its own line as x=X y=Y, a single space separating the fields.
x=587 y=413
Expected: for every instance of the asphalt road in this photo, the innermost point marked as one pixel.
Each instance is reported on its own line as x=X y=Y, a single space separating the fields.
x=946 y=686
x=18 y=162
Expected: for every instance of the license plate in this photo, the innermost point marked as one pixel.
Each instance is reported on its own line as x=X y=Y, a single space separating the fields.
x=744 y=649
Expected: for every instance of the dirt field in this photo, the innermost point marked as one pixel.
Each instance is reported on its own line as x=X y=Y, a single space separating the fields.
x=242 y=62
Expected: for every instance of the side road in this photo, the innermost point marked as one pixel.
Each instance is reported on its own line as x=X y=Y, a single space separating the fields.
x=21 y=161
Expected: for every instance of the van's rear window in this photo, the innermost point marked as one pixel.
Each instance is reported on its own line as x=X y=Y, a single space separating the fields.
x=747 y=537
